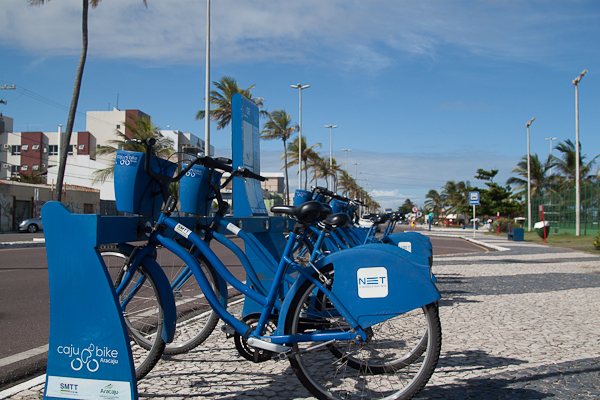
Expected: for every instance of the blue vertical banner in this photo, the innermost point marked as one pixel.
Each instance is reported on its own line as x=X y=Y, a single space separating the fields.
x=89 y=355
x=245 y=137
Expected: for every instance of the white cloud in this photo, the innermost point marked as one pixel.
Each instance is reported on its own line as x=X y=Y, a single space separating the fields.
x=355 y=34
x=394 y=177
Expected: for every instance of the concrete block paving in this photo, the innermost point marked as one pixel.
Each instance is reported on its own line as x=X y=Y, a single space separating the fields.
x=517 y=324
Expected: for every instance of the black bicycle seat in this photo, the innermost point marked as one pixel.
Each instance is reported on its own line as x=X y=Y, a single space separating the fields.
x=338 y=220
x=310 y=211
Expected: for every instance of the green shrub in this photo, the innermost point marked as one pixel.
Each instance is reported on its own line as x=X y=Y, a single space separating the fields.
x=597 y=241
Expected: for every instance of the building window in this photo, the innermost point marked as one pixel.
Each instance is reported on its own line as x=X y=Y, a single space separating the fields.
x=25 y=147
x=24 y=168
x=35 y=167
x=35 y=147
x=118 y=126
x=15 y=150
x=14 y=169
x=53 y=150
x=81 y=146
x=70 y=152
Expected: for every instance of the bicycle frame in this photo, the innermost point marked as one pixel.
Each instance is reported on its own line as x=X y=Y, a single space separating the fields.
x=267 y=302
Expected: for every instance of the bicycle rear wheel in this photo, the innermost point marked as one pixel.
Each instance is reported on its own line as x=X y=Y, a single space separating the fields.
x=393 y=363
x=142 y=310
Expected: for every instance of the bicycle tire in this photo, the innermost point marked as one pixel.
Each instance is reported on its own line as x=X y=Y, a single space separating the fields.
x=331 y=376
x=143 y=312
x=196 y=319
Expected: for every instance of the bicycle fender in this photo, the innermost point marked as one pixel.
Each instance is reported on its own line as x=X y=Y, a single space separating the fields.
x=377 y=282
x=418 y=244
x=166 y=297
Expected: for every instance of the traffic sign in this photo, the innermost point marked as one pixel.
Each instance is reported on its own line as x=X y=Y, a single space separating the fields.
x=473 y=198
x=415 y=209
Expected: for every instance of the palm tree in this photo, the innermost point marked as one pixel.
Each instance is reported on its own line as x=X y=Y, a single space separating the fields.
x=307 y=154
x=222 y=112
x=76 y=89
x=566 y=165
x=279 y=127
x=347 y=183
x=434 y=201
x=140 y=128
x=541 y=181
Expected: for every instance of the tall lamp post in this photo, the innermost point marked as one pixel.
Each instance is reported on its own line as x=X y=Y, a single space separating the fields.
x=300 y=87
x=356 y=164
x=331 y=152
x=528 y=179
x=207 y=88
x=346 y=150
x=551 y=139
x=577 y=183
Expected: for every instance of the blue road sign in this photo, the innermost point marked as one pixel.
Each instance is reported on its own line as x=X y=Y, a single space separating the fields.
x=473 y=198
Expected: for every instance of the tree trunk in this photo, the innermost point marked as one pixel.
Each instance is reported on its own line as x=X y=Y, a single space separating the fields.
x=286 y=201
x=76 y=89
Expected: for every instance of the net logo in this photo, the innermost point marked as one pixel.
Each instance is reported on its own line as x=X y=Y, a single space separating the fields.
x=372 y=282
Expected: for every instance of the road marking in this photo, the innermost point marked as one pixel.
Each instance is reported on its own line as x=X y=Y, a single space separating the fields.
x=23 y=386
x=24 y=355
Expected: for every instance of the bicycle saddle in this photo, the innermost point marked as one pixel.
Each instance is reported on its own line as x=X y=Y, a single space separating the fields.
x=307 y=212
x=338 y=220
x=379 y=219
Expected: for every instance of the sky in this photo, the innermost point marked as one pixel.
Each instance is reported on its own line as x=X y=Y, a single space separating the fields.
x=423 y=92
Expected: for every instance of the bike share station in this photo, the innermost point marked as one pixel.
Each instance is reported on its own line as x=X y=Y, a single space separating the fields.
x=89 y=353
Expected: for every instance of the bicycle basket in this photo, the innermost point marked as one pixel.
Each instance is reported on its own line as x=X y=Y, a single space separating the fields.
x=135 y=191
x=301 y=197
x=338 y=206
x=195 y=193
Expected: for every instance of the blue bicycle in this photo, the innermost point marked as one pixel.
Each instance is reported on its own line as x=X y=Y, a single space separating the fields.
x=351 y=323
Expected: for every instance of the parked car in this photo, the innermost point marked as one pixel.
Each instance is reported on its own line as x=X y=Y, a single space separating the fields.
x=31 y=225
x=365 y=222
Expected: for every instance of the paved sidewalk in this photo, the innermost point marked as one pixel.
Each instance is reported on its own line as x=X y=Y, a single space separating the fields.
x=523 y=323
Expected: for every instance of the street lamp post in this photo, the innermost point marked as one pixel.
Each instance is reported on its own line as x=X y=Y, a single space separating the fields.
x=331 y=152
x=300 y=87
x=577 y=183
x=356 y=164
x=528 y=179
x=551 y=139
x=207 y=88
x=346 y=150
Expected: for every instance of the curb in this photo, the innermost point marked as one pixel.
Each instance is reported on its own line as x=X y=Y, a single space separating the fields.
x=468 y=239
x=41 y=242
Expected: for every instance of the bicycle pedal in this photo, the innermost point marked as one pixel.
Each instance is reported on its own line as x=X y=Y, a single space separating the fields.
x=228 y=330
x=272 y=347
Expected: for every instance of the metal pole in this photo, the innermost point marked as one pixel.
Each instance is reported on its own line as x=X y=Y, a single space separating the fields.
x=207 y=84
x=577 y=178
x=528 y=180
x=300 y=87
x=474 y=221
x=331 y=152
x=346 y=150
x=551 y=139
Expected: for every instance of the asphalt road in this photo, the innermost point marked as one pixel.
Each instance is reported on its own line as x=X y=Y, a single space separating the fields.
x=25 y=309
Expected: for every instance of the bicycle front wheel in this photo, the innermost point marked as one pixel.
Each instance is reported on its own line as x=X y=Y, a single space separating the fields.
x=195 y=317
x=393 y=363
x=142 y=309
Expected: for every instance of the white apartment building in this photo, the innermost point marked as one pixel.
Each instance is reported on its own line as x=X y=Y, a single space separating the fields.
x=26 y=152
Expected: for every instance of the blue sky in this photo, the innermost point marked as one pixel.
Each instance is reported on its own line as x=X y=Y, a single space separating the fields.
x=422 y=91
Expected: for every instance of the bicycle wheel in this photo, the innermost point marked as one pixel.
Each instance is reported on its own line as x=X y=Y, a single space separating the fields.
x=392 y=364
x=142 y=309
x=195 y=317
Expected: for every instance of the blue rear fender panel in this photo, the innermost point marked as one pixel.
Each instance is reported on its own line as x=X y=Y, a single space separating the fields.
x=376 y=283
x=421 y=245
